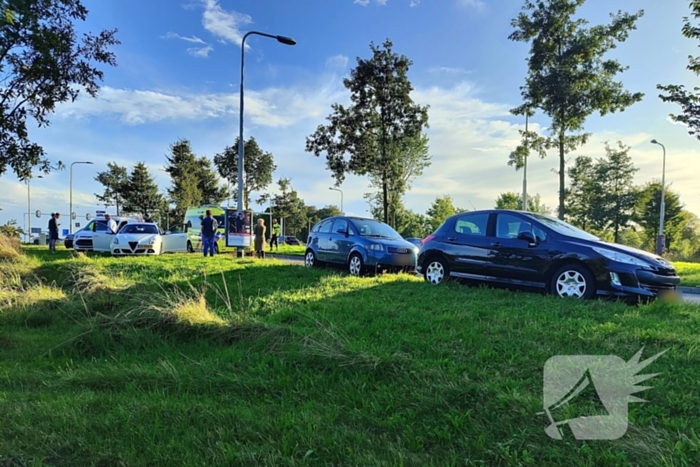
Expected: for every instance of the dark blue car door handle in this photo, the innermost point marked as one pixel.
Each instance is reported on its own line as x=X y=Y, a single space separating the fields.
x=496 y=244
x=451 y=239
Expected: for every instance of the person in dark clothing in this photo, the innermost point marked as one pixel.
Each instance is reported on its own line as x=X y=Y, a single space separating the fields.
x=53 y=231
x=259 y=232
x=274 y=238
x=208 y=229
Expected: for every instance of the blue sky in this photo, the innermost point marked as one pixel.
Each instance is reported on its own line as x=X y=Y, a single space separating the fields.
x=179 y=71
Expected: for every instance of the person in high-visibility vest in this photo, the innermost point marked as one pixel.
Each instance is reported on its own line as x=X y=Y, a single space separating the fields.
x=274 y=236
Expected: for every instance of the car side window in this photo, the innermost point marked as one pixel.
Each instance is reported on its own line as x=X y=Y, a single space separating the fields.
x=326 y=227
x=100 y=227
x=472 y=224
x=540 y=234
x=340 y=224
x=509 y=226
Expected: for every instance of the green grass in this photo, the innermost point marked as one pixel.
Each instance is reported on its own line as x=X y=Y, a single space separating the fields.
x=184 y=360
x=690 y=273
x=291 y=250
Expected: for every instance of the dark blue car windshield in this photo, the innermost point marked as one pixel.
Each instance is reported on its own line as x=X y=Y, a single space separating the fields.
x=375 y=229
x=562 y=227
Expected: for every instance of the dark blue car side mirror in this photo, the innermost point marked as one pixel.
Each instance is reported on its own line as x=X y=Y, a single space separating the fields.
x=342 y=232
x=528 y=236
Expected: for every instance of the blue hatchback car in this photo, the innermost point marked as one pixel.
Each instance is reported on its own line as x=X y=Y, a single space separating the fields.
x=359 y=244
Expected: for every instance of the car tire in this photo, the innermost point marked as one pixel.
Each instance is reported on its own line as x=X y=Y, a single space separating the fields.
x=216 y=248
x=573 y=280
x=189 y=247
x=310 y=259
x=355 y=265
x=436 y=270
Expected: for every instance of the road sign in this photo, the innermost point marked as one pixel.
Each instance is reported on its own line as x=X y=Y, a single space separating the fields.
x=73 y=215
x=100 y=213
x=38 y=213
x=36 y=229
x=88 y=216
x=77 y=224
x=66 y=232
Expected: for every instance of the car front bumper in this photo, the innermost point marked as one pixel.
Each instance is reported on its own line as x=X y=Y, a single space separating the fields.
x=130 y=252
x=385 y=260
x=635 y=284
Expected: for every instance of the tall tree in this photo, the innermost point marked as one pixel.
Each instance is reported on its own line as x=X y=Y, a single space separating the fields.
x=43 y=63
x=620 y=197
x=649 y=209
x=289 y=206
x=113 y=181
x=193 y=181
x=568 y=77
x=440 y=210
x=678 y=94
x=585 y=195
x=257 y=171
x=514 y=201
x=412 y=159
x=377 y=127
x=140 y=193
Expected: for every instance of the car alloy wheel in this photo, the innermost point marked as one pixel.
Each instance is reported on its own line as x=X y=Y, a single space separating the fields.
x=573 y=281
x=310 y=259
x=435 y=272
x=355 y=265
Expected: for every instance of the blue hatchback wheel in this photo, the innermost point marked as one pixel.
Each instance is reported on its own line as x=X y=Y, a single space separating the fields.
x=310 y=259
x=355 y=265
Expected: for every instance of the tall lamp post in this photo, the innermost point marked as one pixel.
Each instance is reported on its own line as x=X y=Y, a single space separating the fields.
x=70 y=214
x=281 y=40
x=29 y=208
x=528 y=113
x=661 y=241
x=341 y=198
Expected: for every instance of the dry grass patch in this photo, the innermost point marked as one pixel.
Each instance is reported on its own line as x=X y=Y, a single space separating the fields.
x=10 y=248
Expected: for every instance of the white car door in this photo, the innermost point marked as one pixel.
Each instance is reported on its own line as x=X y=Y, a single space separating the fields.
x=174 y=242
x=102 y=238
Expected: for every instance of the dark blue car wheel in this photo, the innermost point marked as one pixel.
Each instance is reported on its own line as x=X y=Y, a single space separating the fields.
x=573 y=280
x=436 y=270
x=310 y=259
x=355 y=264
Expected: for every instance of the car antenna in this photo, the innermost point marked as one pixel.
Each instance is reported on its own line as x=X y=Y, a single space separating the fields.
x=470 y=202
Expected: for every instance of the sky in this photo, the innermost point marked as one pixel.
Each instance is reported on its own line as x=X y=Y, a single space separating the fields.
x=178 y=76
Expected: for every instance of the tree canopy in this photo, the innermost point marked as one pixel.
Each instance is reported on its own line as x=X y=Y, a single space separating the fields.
x=113 y=180
x=258 y=167
x=569 y=78
x=43 y=64
x=372 y=135
x=678 y=94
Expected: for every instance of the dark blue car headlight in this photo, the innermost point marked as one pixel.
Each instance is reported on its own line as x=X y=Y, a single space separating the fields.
x=621 y=257
x=375 y=247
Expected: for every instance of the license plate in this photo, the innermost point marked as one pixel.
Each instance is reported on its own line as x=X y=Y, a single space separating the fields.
x=670 y=296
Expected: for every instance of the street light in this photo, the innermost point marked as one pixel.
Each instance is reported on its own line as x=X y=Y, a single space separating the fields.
x=661 y=241
x=70 y=214
x=29 y=208
x=341 y=198
x=282 y=40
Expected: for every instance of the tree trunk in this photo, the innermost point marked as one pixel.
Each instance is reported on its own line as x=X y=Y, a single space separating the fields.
x=562 y=176
x=385 y=198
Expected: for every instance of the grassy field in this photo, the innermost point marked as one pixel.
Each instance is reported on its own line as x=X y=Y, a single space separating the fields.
x=182 y=360
x=690 y=274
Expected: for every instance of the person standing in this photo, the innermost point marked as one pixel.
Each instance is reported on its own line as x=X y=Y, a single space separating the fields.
x=208 y=229
x=111 y=223
x=274 y=238
x=53 y=231
x=259 y=232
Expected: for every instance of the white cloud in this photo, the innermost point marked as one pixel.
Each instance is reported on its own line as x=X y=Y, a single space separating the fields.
x=224 y=24
x=338 y=62
x=193 y=39
x=201 y=52
x=478 y=4
x=414 y=3
x=362 y=2
x=448 y=70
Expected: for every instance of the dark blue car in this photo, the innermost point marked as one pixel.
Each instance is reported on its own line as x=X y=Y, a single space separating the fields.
x=524 y=249
x=359 y=244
